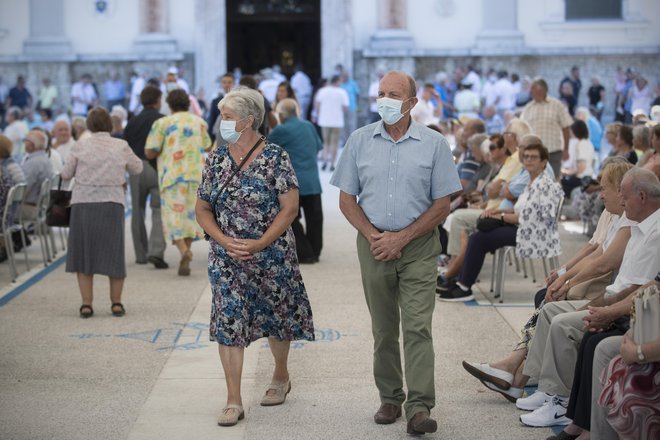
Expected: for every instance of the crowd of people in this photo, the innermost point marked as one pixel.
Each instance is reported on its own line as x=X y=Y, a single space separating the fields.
x=460 y=167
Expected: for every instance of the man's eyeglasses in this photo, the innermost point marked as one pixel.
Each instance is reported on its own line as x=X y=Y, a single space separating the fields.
x=531 y=156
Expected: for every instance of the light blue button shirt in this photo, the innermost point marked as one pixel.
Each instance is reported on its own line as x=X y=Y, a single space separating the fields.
x=396 y=181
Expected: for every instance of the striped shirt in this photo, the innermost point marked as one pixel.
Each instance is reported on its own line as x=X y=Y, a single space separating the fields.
x=547 y=119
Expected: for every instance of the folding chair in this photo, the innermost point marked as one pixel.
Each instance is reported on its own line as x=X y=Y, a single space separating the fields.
x=10 y=216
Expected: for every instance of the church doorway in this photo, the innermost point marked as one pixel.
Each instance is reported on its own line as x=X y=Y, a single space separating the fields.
x=262 y=33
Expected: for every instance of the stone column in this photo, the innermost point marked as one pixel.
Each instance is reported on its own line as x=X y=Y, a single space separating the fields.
x=47 y=38
x=336 y=35
x=392 y=33
x=154 y=40
x=210 y=44
x=500 y=33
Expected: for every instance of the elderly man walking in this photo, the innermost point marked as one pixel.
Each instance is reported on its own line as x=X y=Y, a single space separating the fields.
x=550 y=121
x=301 y=140
x=395 y=178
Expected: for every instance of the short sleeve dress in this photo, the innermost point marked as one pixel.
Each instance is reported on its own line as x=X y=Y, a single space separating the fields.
x=263 y=296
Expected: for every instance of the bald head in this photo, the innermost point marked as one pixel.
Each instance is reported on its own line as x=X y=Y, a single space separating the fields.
x=61 y=132
x=403 y=81
x=286 y=109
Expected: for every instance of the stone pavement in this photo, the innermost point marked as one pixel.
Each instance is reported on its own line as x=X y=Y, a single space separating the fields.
x=153 y=374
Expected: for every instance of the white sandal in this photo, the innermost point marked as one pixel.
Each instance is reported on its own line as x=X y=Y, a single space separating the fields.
x=231 y=414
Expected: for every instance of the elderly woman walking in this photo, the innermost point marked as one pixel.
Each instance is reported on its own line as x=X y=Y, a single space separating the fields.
x=96 y=230
x=179 y=141
x=246 y=203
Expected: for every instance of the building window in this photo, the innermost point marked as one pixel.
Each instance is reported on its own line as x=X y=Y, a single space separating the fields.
x=593 y=10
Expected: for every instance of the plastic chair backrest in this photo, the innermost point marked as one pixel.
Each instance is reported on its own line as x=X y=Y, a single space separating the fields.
x=13 y=205
x=44 y=198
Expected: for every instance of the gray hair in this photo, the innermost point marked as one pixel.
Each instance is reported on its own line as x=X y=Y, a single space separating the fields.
x=287 y=108
x=38 y=138
x=15 y=112
x=476 y=140
x=612 y=159
x=643 y=134
x=519 y=128
x=644 y=181
x=245 y=102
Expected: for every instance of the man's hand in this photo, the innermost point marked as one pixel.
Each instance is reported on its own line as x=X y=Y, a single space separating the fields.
x=598 y=319
x=564 y=155
x=386 y=246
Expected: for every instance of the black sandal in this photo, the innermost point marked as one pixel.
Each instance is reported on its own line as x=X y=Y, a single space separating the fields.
x=120 y=312
x=86 y=311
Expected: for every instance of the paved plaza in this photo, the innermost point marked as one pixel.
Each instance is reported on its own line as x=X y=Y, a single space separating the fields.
x=153 y=374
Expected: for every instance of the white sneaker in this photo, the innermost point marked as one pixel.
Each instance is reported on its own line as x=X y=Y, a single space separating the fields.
x=550 y=414
x=535 y=401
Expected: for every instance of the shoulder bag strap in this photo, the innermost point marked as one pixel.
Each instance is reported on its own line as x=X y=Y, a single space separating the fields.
x=247 y=156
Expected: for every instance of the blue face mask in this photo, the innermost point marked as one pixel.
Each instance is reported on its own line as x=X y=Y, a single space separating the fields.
x=390 y=110
x=228 y=131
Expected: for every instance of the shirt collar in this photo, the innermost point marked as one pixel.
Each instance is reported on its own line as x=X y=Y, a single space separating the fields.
x=649 y=223
x=413 y=132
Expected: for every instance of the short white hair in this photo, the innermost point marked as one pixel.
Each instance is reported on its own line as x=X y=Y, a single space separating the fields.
x=245 y=102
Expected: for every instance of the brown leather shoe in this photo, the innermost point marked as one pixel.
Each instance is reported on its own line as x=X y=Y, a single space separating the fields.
x=421 y=423
x=387 y=413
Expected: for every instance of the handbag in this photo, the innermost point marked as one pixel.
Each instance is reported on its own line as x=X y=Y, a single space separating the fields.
x=645 y=315
x=487 y=224
x=59 y=207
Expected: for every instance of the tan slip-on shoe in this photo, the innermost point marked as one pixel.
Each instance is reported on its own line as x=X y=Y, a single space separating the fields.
x=184 y=265
x=230 y=415
x=276 y=393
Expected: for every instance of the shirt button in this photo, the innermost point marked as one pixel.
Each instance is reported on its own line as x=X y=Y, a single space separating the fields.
x=391 y=178
x=389 y=213
x=392 y=161
x=390 y=195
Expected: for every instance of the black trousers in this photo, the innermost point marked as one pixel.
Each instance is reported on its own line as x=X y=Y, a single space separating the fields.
x=579 y=404
x=309 y=240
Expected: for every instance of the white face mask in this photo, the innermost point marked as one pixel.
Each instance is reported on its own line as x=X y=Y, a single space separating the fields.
x=390 y=110
x=228 y=131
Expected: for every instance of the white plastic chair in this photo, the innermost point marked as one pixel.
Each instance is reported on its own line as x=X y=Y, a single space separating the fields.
x=11 y=223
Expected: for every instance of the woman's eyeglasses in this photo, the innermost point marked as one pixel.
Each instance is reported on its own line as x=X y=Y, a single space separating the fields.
x=531 y=156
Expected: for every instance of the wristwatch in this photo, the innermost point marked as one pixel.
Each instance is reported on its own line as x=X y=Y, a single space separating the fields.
x=640 y=355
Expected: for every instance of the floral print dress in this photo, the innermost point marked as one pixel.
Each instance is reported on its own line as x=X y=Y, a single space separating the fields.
x=263 y=296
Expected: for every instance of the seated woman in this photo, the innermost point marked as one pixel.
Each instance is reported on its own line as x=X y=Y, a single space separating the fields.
x=581 y=158
x=531 y=226
x=623 y=145
x=466 y=219
x=505 y=376
x=630 y=392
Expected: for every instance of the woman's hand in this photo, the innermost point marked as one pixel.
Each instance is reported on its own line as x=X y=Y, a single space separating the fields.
x=628 y=349
x=488 y=213
x=242 y=249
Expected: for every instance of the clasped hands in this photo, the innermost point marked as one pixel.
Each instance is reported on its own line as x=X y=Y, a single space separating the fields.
x=386 y=246
x=598 y=319
x=241 y=248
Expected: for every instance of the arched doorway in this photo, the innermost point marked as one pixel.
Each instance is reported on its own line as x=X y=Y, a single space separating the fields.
x=261 y=33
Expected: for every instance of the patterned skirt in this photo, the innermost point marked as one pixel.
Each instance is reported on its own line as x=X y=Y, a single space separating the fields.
x=178 y=211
